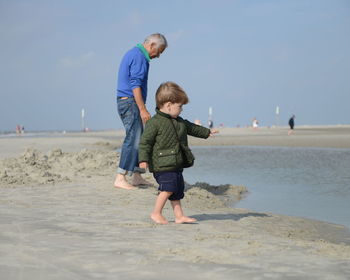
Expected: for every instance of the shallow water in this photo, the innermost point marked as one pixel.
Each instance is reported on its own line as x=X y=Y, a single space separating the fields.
x=307 y=182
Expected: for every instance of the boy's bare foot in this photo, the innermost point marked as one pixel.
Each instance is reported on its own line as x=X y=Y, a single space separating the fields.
x=159 y=219
x=121 y=183
x=138 y=180
x=185 y=219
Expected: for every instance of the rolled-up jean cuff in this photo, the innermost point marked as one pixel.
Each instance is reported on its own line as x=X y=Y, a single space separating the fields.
x=129 y=173
x=139 y=170
x=124 y=172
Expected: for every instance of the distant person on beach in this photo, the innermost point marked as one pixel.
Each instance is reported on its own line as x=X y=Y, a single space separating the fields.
x=164 y=149
x=210 y=124
x=197 y=121
x=131 y=100
x=255 y=123
x=291 y=125
x=18 y=129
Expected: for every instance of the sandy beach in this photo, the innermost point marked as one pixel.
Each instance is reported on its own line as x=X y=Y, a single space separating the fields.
x=61 y=218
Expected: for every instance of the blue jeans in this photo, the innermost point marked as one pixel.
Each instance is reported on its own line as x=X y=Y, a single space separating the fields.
x=130 y=116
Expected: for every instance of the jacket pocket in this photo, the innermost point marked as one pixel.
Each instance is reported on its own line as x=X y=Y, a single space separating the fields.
x=167 y=158
x=187 y=156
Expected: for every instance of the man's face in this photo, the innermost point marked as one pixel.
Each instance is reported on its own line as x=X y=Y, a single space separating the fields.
x=155 y=51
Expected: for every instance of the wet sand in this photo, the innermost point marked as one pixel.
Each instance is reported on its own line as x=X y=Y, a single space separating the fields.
x=61 y=218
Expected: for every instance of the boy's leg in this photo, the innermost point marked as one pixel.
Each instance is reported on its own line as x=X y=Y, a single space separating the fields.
x=180 y=218
x=156 y=215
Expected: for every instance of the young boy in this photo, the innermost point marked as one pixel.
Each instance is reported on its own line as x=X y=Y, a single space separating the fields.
x=160 y=149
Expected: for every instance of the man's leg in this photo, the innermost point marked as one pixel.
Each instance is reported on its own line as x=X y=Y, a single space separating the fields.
x=121 y=182
x=138 y=180
x=130 y=116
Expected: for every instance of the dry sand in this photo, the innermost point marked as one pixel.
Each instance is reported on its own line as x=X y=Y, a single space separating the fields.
x=60 y=218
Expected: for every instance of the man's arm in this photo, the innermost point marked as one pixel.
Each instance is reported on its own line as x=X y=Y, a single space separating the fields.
x=144 y=114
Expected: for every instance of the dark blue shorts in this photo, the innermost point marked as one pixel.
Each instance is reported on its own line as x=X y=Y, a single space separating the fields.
x=171 y=181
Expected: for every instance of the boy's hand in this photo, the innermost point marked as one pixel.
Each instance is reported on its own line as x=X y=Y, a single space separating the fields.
x=213 y=131
x=143 y=165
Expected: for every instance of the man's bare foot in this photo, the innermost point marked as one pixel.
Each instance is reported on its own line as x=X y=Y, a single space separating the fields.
x=121 y=183
x=185 y=219
x=138 y=180
x=159 y=219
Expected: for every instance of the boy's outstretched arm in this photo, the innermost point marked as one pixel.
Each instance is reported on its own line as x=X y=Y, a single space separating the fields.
x=198 y=130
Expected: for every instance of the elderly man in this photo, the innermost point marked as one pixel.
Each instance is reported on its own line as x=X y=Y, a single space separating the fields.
x=131 y=100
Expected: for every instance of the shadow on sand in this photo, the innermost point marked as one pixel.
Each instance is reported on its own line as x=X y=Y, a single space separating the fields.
x=235 y=217
x=217 y=190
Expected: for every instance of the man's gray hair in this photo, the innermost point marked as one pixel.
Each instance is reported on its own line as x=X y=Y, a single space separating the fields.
x=157 y=38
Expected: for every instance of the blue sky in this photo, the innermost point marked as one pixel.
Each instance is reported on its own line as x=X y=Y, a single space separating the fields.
x=242 y=58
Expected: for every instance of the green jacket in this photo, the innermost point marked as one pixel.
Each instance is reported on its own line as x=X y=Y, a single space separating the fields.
x=159 y=145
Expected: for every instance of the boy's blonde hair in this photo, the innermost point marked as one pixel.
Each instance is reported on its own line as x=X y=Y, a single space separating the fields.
x=170 y=92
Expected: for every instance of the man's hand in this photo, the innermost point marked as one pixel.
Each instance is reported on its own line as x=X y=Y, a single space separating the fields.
x=145 y=115
x=143 y=165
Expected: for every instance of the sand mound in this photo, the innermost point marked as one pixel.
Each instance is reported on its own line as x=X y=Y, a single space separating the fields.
x=34 y=167
x=237 y=192
x=214 y=196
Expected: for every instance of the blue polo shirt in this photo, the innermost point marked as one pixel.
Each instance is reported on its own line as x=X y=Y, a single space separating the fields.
x=133 y=72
